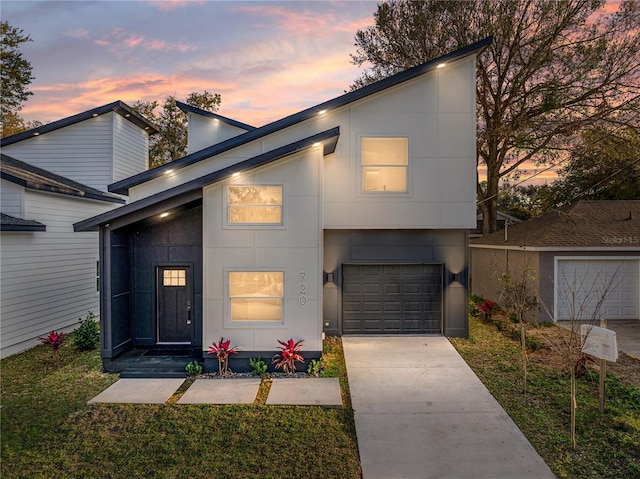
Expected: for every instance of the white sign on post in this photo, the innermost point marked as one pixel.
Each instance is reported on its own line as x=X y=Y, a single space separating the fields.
x=599 y=342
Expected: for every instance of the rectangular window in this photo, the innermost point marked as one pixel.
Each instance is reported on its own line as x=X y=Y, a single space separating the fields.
x=255 y=205
x=384 y=164
x=256 y=295
x=174 y=277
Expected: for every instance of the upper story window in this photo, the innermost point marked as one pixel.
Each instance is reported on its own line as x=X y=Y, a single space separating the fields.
x=255 y=205
x=384 y=163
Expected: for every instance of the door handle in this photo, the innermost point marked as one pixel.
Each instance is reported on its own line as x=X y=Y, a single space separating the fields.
x=188 y=312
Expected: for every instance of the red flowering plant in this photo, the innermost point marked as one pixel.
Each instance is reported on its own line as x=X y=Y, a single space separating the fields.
x=288 y=356
x=53 y=340
x=223 y=349
x=486 y=308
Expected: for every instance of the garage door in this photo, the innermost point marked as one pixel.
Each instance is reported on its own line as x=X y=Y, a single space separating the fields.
x=391 y=298
x=581 y=283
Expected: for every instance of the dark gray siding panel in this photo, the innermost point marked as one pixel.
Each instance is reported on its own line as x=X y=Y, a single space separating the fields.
x=175 y=241
x=120 y=290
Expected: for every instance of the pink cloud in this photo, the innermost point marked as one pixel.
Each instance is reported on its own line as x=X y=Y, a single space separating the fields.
x=119 y=38
x=170 y=5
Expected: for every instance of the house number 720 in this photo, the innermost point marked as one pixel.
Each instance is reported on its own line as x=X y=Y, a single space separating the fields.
x=302 y=289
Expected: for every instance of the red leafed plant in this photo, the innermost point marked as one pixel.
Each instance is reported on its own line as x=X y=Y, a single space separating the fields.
x=223 y=349
x=54 y=340
x=288 y=356
x=486 y=308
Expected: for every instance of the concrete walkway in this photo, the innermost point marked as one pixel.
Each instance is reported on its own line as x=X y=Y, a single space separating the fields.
x=421 y=412
x=323 y=392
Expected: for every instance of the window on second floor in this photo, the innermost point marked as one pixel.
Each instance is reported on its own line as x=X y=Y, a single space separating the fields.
x=255 y=205
x=384 y=164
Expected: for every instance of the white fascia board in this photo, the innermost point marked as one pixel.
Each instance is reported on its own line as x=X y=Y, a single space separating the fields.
x=556 y=248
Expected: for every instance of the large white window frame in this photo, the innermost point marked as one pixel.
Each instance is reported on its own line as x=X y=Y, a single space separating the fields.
x=255 y=297
x=375 y=162
x=251 y=207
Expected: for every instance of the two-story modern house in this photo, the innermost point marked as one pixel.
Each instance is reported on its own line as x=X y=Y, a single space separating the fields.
x=351 y=216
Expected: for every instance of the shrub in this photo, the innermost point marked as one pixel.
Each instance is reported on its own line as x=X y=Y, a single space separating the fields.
x=223 y=349
x=315 y=367
x=288 y=356
x=258 y=365
x=54 y=341
x=486 y=309
x=475 y=299
x=87 y=336
x=193 y=368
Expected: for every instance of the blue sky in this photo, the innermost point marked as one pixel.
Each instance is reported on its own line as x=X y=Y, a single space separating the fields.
x=267 y=59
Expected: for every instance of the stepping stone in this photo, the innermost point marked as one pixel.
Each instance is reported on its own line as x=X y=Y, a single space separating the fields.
x=221 y=391
x=138 y=391
x=305 y=392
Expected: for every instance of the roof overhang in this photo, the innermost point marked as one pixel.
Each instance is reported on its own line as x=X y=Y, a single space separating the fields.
x=11 y=223
x=118 y=107
x=192 y=190
x=559 y=249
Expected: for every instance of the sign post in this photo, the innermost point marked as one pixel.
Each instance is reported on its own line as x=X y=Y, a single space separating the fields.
x=601 y=343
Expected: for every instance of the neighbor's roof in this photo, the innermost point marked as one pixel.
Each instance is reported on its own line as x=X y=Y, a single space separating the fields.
x=35 y=178
x=192 y=190
x=118 y=107
x=123 y=186
x=585 y=224
x=229 y=121
x=11 y=223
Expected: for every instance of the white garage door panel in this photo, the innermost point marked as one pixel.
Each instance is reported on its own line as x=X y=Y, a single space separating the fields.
x=581 y=283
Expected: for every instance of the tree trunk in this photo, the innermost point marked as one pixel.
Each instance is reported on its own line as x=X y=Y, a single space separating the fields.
x=489 y=207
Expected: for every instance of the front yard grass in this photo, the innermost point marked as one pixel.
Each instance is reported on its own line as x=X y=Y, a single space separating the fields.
x=608 y=445
x=49 y=431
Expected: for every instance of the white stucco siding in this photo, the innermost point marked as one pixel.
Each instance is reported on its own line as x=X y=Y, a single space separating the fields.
x=130 y=149
x=48 y=278
x=204 y=132
x=11 y=199
x=294 y=248
x=81 y=152
x=192 y=172
x=436 y=112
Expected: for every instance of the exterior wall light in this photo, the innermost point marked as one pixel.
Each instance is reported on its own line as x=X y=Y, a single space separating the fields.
x=441 y=65
x=164 y=215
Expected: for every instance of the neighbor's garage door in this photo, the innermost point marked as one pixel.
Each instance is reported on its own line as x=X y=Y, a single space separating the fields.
x=583 y=282
x=391 y=298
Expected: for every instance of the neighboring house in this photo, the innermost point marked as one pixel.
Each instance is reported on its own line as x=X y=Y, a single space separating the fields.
x=351 y=216
x=503 y=220
x=578 y=254
x=52 y=177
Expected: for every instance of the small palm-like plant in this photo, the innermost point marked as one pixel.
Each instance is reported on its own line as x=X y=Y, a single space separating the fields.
x=223 y=349
x=288 y=356
x=54 y=341
x=486 y=308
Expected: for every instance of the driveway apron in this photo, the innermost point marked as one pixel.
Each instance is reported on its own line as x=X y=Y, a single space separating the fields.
x=421 y=412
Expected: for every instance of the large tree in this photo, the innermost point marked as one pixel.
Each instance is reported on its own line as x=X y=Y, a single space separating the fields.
x=171 y=141
x=554 y=69
x=15 y=74
x=604 y=166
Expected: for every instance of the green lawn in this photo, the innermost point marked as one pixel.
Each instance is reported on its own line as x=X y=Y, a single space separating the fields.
x=48 y=430
x=608 y=446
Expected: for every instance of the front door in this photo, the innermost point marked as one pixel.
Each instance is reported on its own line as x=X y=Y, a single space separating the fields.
x=174 y=304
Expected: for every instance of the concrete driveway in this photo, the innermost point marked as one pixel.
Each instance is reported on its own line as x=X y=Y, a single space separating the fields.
x=421 y=412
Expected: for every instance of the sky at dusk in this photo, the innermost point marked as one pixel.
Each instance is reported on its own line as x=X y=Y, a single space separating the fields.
x=266 y=59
